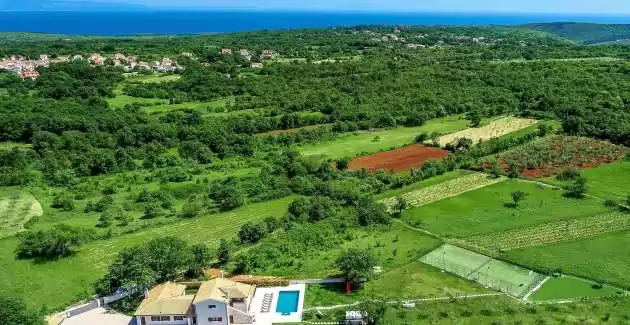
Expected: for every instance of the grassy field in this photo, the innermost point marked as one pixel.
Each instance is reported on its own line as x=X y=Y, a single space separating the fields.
x=599 y=258
x=370 y=142
x=58 y=283
x=569 y=288
x=488 y=209
x=392 y=247
x=448 y=176
x=609 y=181
x=10 y=145
x=217 y=106
x=412 y=281
x=122 y=100
x=153 y=78
x=487 y=271
x=16 y=210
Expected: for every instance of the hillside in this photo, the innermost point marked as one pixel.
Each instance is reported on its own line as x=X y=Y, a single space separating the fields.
x=585 y=33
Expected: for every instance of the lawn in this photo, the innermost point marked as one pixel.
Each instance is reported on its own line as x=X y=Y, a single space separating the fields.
x=488 y=209
x=599 y=258
x=568 y=288
x=368 y=142
x=609 y=181
x=58 y=283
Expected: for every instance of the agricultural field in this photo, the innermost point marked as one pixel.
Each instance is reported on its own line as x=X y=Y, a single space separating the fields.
x=490 y=209
x=608 y=181
x=398 y=160
x=602 y=258
x=553 y=232
x=447 y=189
x=448 y=176
x=548 y=156
x=16 y=210
x=494 y=129
x=567 y=287
x=369 y=142
x=60 y=282
x=485 y=270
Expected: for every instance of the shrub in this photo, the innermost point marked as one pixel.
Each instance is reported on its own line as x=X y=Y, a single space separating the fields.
x=63 y=202
x=577 y=189
x=421 y=138
x=59 y=241
x=568 y=174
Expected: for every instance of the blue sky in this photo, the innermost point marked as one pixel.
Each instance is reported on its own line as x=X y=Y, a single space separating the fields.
x=537 y=6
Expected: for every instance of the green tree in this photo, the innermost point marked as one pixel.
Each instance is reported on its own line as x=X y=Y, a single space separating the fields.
x=370 y=212
x=60 y=241
x=400 y=205
x=13 y=311
x=201 y=258
x=355 y=264
x=577 y=188
x=342 y=164
x=475 y=118
x=518 y=196
x=223 y=252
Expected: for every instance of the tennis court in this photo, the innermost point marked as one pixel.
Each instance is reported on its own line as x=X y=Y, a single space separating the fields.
x=483 y=269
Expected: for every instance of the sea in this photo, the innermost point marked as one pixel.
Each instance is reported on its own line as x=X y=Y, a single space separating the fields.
x=112 y=23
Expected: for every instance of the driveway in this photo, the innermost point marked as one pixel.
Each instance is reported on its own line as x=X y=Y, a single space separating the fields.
x=100 y=316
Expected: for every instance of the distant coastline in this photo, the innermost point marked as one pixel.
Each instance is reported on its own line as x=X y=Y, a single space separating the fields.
x=168 y=21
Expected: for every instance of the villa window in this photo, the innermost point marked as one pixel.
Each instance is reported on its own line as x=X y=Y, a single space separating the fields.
x=215 y=319
x=212 y=306
x=165 y=318
x=178 y=317
x=155 y=318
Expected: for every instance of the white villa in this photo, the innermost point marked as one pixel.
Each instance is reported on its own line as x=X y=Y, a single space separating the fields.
x=219 y=302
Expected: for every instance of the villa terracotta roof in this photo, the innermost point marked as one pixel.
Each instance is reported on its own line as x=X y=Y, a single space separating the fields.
x=223 y=290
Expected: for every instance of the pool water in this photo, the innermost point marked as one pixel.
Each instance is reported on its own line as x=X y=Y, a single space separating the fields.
x=288 y=302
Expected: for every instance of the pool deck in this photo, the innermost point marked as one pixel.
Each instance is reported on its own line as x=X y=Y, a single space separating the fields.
x=272 y=317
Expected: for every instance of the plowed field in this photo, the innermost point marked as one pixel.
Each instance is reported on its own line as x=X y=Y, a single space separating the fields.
x=399 y=159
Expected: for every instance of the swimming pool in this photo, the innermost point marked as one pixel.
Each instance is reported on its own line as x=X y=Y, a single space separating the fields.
x=288 y=302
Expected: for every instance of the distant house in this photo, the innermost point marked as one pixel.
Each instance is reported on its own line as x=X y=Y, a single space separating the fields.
x=267 y=54
x=217 y=302
x=257 y=65
x=119 y=56
x=187 y=54
x=77 y=57
x=226 y=51
x=29 y=75
x=96 y=59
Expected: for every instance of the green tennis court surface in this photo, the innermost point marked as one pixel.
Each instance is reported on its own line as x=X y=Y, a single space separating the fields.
x=485 y=270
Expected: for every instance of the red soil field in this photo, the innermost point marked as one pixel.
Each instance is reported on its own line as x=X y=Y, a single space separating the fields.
x=397 y=160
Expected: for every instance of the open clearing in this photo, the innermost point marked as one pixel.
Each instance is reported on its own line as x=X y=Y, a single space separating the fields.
x=598 y=258
x=549 y=156
x=489 y=210
x=58 y=283
x=444 y=190
x=217 y=106
x=15 y=211
x=553 y=232
x=609 y=181
x=397 y=160
x=569 y=288
x=494 y=129
x=485 y=270
x=294 y=130
x=122 y=100
x=153 y=78
x=368 y=142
